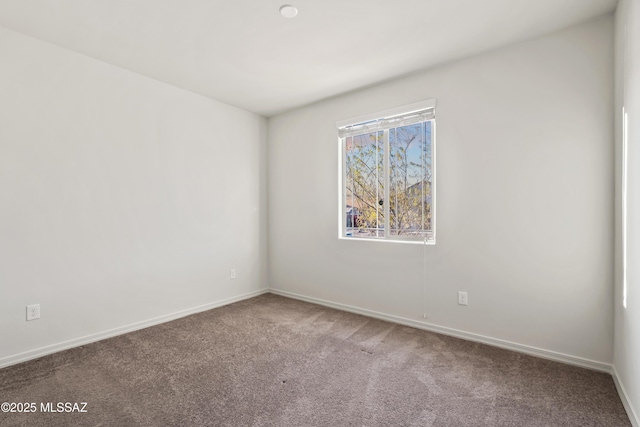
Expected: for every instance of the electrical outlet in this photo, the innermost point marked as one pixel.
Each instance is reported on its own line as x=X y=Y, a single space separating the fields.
x=33 y=312
x=233 y=273
x=463 y=298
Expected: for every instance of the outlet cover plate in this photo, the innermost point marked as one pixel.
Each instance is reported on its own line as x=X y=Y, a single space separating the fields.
x=463 y=298
x=33 y=312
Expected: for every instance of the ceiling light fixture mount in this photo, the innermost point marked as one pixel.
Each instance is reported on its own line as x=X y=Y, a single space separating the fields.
x=288 y=11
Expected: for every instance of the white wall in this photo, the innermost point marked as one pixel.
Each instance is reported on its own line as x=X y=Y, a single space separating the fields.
x=627 y=320
x=524 y=198
x=122 y=199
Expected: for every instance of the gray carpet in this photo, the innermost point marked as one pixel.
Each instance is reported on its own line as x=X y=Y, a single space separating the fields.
x=273 y=361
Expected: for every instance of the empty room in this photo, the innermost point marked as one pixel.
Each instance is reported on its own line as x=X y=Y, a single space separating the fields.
x=320 y=213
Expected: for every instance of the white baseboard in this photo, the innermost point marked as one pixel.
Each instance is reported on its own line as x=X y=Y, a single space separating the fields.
x=521 y=348
x=65 y=345
x=633 y=416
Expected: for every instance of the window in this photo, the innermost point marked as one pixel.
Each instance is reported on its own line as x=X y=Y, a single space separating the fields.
x=625 y=183
x=387 y=171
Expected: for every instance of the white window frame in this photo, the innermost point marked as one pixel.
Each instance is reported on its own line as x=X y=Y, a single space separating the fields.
x=342 y=212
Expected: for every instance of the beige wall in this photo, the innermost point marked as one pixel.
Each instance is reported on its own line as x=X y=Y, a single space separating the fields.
x=524 y=199
x=122 y=199
x=627 y=319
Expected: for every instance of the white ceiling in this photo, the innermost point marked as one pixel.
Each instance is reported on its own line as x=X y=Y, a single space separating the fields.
x=244 y=53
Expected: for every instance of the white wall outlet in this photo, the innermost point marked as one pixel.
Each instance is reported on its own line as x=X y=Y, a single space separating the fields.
x=33 y=312
x=233 y=273
x=463 y=298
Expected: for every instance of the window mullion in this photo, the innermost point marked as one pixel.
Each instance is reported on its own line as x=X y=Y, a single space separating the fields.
x=387 y=205
x=424 y=174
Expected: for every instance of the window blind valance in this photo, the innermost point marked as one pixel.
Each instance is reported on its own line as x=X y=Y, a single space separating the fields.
x=389 y=119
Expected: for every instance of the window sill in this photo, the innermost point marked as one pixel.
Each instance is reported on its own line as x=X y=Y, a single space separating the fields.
x=373 y=239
